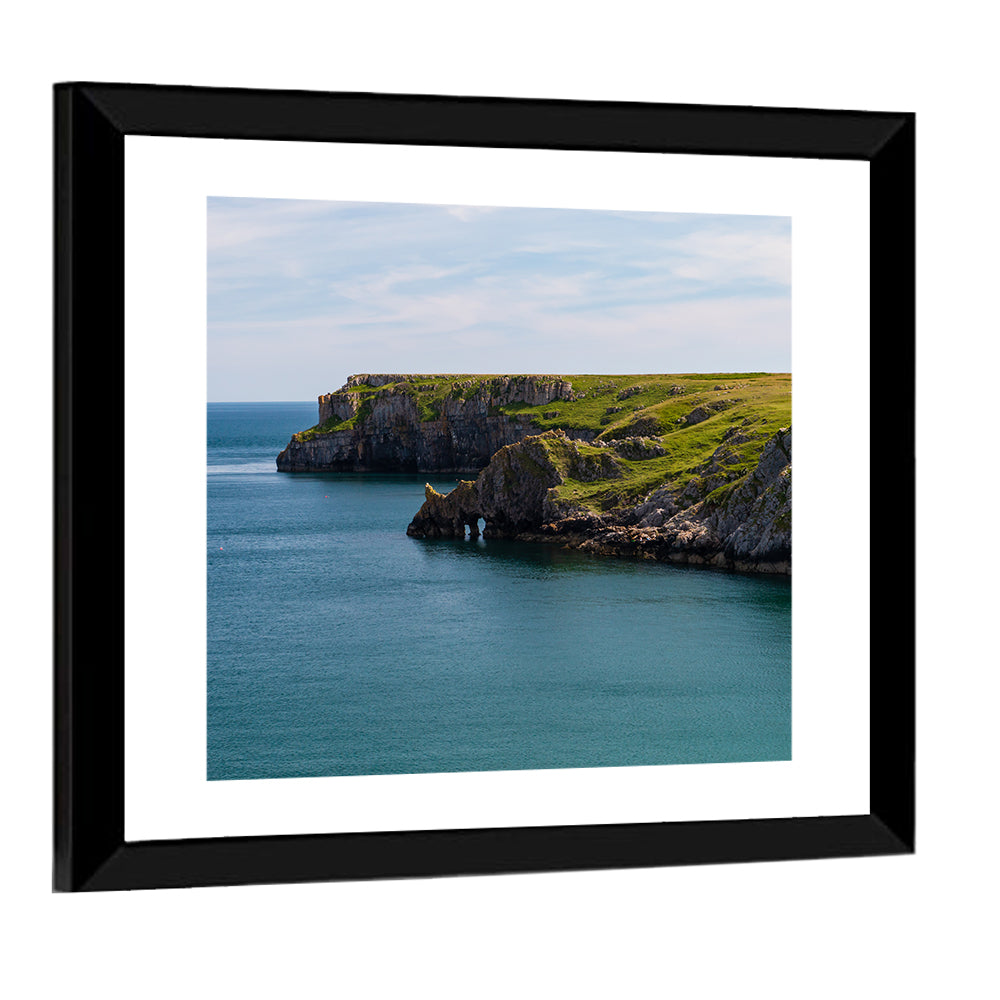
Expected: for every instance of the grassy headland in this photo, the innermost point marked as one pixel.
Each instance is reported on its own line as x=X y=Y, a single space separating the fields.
x=656 y=429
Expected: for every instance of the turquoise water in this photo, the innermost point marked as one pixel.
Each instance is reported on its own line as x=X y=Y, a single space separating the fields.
x=337 y=645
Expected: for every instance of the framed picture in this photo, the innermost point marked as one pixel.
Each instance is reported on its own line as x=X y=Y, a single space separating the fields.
x=446 y=523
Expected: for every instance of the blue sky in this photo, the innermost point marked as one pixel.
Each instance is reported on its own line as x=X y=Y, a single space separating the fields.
x=302 y=294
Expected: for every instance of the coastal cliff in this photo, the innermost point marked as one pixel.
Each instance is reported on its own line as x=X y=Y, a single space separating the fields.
x=525 y=493
x=692 y=468
x=421 y=423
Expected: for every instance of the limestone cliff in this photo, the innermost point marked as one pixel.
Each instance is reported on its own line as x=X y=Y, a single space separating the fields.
x=421 y=423
x=745 y=525
x=682 y=467
x=447 y=515
x=526 y=492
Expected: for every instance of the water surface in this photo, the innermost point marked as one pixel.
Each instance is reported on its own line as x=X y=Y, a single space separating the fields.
x=337 y=645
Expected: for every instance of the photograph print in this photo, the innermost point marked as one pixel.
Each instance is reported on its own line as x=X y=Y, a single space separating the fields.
x=495 y=489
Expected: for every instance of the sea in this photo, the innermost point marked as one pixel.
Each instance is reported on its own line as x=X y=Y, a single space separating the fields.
x=337 y=645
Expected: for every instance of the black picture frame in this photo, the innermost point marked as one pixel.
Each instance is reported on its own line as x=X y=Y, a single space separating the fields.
x=91 y=122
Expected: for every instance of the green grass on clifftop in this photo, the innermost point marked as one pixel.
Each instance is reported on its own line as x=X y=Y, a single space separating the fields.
x=750 y=406
x=684 y=416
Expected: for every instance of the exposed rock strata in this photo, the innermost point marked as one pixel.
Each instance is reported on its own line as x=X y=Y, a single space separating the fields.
x=447 y=515
x=743 y=525
x=747 y=528
x=389 y=431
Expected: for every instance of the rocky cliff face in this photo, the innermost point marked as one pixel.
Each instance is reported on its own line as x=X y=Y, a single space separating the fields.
x=684 y=468
x=447 y=515
x=411 y=423
x=743 y=525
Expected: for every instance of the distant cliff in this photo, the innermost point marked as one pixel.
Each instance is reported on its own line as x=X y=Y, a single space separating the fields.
x=422 y=423
x=456 y=423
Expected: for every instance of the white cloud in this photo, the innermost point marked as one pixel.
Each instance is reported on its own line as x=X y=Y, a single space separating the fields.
x=468 y=213
x=307 y=292
x=723 y=257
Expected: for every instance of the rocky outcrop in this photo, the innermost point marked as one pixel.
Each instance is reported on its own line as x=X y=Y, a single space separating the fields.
x=701 y=413
x=338 y=406
x=744 y=525
x=637 y=448
x=510 y=495
x=514 y=493
x=448 y=515
x=390 y=426
x=514 y=487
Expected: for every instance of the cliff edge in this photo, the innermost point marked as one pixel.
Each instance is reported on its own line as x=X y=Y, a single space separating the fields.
x=528 y=492
x=457 y=423
x=421 y=423
x=691 y=468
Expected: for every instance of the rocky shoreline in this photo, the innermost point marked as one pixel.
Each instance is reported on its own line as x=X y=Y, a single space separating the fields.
x=745 y=527
x=692 y=469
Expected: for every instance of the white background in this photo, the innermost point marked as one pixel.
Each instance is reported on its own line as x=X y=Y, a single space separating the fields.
x=863 y=928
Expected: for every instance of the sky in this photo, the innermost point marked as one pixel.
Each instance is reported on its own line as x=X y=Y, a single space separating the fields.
x=302 y=294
